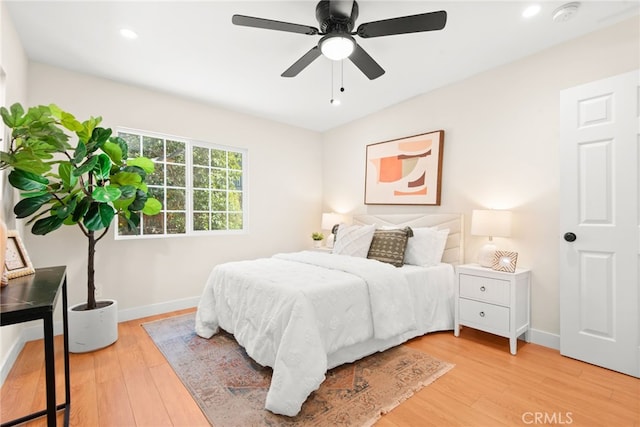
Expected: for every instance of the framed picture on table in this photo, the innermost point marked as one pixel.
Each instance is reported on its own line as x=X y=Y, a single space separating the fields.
x=17 y=262
x=505 y=261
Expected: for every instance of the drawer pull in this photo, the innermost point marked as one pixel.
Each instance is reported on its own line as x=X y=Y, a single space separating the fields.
x=482 y=288
x=482 y=314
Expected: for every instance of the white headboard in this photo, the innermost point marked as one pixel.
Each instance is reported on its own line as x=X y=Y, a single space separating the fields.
x=454 y=249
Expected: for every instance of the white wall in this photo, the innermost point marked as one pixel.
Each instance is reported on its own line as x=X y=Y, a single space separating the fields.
x=501 y=138
x=13 y=63
x=284 y=185
x=501 y=149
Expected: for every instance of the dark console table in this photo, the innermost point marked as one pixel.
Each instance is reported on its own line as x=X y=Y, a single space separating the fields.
x=35 y=297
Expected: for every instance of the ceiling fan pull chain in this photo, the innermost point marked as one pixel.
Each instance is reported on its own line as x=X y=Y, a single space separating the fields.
x=334 y=101
x=342 y=75
x=332 y=98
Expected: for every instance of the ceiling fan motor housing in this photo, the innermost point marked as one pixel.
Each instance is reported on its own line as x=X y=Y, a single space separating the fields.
x=335 y=22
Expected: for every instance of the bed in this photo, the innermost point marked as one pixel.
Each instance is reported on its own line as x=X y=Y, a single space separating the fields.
x=306 y=312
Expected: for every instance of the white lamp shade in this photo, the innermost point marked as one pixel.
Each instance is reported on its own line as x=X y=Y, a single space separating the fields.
x=491 y=223
x=337 y=47
x=330 y=219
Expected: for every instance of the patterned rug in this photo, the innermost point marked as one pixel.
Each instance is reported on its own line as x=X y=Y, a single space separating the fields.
x=231 y=389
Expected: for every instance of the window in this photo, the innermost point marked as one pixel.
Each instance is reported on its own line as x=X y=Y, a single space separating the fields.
x=201 y=186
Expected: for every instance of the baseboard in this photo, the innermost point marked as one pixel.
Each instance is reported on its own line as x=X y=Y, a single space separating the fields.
x=11 y=357
x=544 y=338
x=32 y=333
x=153 y=309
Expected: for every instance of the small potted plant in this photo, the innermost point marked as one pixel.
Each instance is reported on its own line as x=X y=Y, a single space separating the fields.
x=317 y=237
x=86 y=185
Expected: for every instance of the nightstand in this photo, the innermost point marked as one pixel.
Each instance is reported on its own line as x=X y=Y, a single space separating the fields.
x=322 y=249
x=493 y=301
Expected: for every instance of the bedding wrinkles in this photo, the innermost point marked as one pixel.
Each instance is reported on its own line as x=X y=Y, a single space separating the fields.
x=389 y=294
x=307 y=306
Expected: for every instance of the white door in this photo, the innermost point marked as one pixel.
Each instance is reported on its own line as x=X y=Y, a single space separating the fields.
x=599 y=196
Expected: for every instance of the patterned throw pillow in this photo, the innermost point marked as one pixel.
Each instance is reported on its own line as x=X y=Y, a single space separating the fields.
x=389 y=245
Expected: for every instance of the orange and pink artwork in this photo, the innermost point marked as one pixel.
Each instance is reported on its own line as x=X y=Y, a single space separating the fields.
x=405 y=171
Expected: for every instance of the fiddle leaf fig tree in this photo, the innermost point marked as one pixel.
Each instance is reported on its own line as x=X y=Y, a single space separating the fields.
x=86 y=185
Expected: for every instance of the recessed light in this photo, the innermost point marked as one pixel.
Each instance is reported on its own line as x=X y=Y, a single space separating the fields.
x=128 y=34
x=531 y=11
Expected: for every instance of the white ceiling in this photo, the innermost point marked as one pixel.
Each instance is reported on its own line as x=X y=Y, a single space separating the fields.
x=190 y=48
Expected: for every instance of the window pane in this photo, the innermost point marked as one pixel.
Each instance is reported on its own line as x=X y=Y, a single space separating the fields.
x=176 y=223
x=219 y=179
x=157 y=177
x=201 y=201
x=176 y=175
x=201 y=156
x=122 y=228
x=219 y=158
x=175 y=200
x=201 y=221
x=235 y=160
x=200 y=177
x=153 y=148
x=158 y=193
x=153 y=224
x=235 y=201
x=235 y=221
x=218 y=221
x=235 y=180
x=133 y=142
x=218 y=200
x=175 y=152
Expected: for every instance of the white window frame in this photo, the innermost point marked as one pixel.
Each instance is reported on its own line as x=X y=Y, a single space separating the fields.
x=189 y=211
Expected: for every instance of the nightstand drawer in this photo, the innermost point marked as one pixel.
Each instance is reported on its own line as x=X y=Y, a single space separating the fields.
x=495 y=291
x=483 y=315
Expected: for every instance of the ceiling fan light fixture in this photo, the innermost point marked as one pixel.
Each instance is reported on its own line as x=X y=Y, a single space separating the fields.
x=337 y=46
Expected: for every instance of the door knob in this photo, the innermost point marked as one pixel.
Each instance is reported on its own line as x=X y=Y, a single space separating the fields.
x=570 y=237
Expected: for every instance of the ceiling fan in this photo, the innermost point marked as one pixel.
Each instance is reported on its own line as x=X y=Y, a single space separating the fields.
x=337 y=19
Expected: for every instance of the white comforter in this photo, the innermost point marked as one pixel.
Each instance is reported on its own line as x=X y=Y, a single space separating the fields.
x=292 y=310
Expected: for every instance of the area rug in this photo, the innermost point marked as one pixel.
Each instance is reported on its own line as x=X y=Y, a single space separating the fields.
x=231 y=389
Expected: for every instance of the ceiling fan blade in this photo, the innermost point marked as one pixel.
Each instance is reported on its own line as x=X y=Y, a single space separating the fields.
x=366 y=63
x=302 y=63
x=340 y=9
x=268 y=24
x=431 y=21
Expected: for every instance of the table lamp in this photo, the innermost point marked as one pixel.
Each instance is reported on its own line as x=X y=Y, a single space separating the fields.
x=328 y=221
x=490 y=223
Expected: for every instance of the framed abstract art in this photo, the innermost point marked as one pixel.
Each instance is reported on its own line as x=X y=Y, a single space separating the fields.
x=406 y=171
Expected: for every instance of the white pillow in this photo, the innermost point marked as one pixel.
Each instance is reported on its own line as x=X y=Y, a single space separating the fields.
x=426 y=246
x=353 y=240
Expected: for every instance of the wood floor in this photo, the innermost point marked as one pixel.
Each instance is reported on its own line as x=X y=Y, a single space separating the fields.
x=131 y=384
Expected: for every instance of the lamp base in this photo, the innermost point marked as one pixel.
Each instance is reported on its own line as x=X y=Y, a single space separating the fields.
x=330 y=240
x=486 y=255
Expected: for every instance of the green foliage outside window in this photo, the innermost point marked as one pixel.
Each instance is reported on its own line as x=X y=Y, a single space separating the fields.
x=211 y=199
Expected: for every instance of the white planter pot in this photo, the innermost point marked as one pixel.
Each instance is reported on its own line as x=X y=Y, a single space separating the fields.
x=91 y=330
